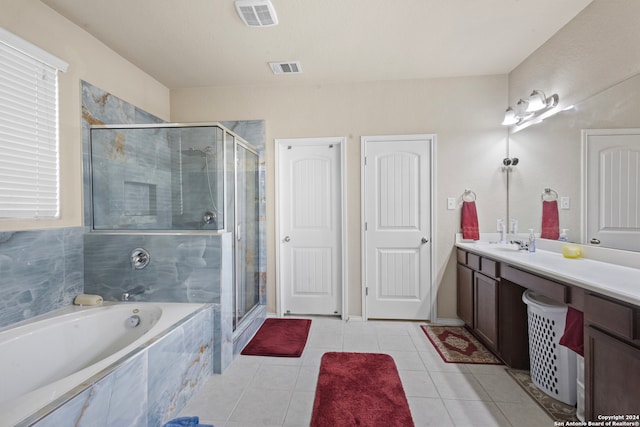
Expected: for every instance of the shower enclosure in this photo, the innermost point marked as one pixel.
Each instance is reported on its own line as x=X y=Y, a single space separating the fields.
x=190 y=187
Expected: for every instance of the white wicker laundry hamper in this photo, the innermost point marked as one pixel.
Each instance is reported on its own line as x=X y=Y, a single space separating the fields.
x=552 y=366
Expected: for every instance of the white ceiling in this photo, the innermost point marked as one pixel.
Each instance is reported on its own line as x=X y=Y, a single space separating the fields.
x=193 y=43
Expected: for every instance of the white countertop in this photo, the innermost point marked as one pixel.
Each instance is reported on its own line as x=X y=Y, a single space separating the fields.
x=617 y=281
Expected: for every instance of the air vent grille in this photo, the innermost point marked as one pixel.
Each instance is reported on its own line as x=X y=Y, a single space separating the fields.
x=257 y=13
x=288 y=67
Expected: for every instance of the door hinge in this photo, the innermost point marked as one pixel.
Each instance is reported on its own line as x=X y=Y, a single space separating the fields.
x=365 y=160
x=366 y=291
x=365 y=226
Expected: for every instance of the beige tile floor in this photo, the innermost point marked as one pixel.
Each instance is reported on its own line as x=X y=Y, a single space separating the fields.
x=271 y=391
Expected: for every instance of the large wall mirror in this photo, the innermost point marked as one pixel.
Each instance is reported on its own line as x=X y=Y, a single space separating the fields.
x=550 y=155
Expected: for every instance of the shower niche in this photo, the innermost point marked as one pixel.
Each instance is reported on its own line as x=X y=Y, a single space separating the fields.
x=189 y=195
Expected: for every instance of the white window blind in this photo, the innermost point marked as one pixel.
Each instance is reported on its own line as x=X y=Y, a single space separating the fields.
x=29 y=171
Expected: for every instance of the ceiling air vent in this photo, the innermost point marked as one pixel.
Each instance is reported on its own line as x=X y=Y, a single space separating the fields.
x=289 y=67
x=257 y=13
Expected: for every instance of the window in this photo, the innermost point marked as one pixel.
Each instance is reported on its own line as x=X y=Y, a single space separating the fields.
x=29 y=171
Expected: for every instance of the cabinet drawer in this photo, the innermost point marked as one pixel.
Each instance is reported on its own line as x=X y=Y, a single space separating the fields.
x=473 y=261
x=611 y=315
x=462 y=256
x=490 y=267
x=546 y=287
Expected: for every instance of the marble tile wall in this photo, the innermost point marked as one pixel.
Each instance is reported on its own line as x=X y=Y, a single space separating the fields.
x=150 y=388
x=40 y=270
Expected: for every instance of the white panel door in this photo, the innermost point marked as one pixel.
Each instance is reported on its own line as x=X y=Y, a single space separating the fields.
x=397 y=216
x=310 y=228
x=613 y=188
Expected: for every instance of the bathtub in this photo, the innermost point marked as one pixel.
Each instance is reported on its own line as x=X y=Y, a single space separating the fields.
x=48 y=360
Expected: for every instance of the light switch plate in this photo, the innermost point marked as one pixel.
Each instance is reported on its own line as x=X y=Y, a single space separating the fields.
x=451 y=203
x=565 y=203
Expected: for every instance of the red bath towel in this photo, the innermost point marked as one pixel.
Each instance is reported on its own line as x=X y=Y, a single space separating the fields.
x=469 y=220
x=550 y=221
x=573 y=337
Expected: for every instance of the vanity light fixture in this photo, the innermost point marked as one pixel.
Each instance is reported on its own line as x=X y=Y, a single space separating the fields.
x=530 y=109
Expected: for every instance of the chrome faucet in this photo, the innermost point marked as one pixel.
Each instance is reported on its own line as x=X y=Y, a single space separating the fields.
x=138 y=290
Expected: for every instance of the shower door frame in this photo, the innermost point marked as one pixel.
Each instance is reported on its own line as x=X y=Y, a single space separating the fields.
x=240 y=142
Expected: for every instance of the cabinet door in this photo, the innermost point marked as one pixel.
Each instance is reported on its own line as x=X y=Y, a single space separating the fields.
x=486 y=309
x=465 y=294
x=612 y=375
x=513 y=331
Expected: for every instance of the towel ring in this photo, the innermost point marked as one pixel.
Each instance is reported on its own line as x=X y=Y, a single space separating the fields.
x=550 y=194
x=468 y=193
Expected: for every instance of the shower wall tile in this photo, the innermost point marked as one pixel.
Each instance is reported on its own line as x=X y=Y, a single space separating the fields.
x=40 y=270
x=131 y=179
x=150 y=388
x=99 y=108
x=182 y=267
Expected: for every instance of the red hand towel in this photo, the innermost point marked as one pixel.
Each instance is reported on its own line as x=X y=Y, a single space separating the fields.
x=469 y=219
x=550 y=221
x=573 y=337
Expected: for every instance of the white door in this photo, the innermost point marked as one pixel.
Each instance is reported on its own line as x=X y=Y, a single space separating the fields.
x=397 y=226
x=310 y=226
x=612 y=177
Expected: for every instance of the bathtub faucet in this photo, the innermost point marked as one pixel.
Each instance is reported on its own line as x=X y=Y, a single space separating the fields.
x=138 y=290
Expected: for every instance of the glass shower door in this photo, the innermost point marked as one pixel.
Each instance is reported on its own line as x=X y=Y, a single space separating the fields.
x=247 y=293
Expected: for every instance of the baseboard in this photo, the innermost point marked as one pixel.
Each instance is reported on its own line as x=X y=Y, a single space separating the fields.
x=354 y=319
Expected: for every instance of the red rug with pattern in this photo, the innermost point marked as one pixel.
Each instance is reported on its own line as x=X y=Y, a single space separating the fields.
x=456 y=345
x=359 y=389
x=279 y=338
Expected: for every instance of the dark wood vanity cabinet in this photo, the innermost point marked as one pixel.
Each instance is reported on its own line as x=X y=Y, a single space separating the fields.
x=490 y=303
x=491 y=309
x=465 y=294
x=612 y=357
x=486 y=309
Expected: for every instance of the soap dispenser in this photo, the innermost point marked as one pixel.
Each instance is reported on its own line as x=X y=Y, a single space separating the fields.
x=563 y=235
x=532 y=241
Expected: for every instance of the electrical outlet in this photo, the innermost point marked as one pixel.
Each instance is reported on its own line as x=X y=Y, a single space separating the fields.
x=565 y=203
x=451 y=203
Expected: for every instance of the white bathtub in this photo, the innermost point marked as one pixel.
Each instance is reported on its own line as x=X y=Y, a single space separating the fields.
x=46 y=361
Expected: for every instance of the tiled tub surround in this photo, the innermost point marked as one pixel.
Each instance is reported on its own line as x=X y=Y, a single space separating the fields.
x=40 y=271
x=143 y=384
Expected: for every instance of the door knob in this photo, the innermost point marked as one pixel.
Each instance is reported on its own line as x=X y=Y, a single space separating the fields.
x=424 y=240
x=287 y=239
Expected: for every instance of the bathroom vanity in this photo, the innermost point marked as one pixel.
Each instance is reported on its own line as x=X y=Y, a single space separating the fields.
x=491 y=281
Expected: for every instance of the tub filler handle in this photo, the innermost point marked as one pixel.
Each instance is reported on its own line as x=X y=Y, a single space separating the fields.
x=140 y=258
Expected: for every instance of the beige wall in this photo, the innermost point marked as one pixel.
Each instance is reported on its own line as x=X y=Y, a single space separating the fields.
x=464 y=113
x=88 y=60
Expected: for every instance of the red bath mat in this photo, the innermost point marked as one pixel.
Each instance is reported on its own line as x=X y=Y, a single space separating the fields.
x=279 y=338
x=456 y=345
x=359 y=389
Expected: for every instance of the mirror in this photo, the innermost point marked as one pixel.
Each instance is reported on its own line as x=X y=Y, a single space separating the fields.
x=550 y=155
